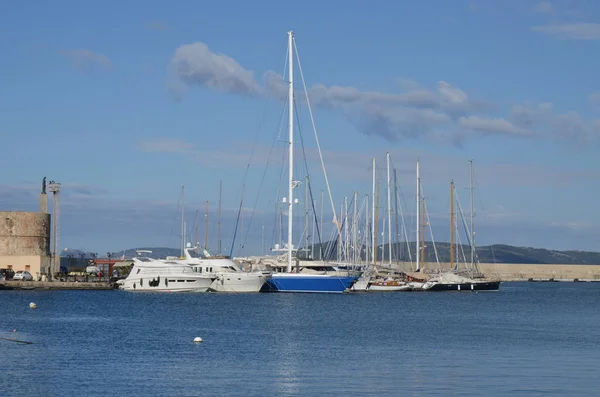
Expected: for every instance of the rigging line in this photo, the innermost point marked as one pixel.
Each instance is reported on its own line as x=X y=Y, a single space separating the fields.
x=404 y=231
x=177 y=213
x=465 y=226
x=331 y=202
x=278 y=196
x=262 y=120
x=237 y=221
x=262 y=180
x=336 y=240
x=462 y=218
x=310 y=192
x=278 y=210
x=437 y=258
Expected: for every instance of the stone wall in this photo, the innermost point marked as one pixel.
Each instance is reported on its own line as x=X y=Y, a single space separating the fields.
x=24 y=233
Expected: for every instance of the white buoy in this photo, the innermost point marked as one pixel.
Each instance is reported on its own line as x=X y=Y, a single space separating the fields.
x=197 y=339
x=15 y=330
x=32 y=305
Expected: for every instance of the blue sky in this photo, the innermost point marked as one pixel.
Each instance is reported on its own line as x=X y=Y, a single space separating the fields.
x=123 y=103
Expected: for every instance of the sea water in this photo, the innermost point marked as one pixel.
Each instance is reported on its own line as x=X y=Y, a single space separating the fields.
x=525 y=339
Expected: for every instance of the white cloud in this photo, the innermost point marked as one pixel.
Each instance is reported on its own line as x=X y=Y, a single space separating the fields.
x=491 y=126
x=575 y=31
x=441 y=114
x=84 y=60
x=569 y=126
x=451 y=94
x=196 y=64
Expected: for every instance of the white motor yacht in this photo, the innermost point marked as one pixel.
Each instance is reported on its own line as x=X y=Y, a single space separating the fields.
x=150 y=274
x=229 y=277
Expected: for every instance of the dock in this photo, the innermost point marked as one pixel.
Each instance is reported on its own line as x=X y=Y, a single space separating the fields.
x=55 y=285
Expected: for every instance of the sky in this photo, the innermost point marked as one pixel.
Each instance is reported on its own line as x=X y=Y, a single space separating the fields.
x=124 y=103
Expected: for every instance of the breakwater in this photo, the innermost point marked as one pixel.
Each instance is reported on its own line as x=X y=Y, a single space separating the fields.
x=55 y=285
x=525 y=272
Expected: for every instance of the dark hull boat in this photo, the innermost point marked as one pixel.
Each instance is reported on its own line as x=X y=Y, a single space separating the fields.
x=454 y=282
x=471 y=286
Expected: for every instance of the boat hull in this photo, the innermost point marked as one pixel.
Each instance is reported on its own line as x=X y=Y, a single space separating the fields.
x=389 y=287
x=176 y=283
x=477 y=286
x=239 y=282
x=317 y=283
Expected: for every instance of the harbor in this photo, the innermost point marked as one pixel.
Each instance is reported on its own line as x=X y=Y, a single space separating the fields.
x=300 y=199
x=504 y=272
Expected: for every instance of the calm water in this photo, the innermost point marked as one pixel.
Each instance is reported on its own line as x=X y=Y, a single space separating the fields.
x=526 y=339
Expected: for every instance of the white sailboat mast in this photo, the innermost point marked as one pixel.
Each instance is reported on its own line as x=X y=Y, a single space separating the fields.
x=291 y=148
x=182 y=221
x=418 y=241
x=389 y=207
x=373 y=248
x=472 y=215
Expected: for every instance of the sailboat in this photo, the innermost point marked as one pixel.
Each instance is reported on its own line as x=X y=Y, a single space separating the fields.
x=290 y=281
x=386 y=282
x=450 y=280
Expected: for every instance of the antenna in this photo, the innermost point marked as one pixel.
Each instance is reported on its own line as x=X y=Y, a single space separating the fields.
x=206 y=227
x=219 y=218
x=54 y=187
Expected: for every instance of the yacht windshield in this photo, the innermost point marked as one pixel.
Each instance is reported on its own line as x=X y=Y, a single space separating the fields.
x=200 y=253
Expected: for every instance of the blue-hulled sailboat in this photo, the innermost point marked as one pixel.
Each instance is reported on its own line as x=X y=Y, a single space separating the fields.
x=290 y=281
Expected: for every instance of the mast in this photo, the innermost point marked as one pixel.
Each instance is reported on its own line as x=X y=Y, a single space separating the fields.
x=396 y=231
x=472 y=216
x=291 y=149
x=182 y=221
x=376 y=227
x=312 y=234
x=366 y=238
x=423 y=224
x=389 y=208
x=373 y=250
x=219 y=219
x=452 y=225
x=418 y=240
x=355 y=229
x=345 y=218
x=196 y=230
x=321 y=228
x=306 y=223
x=340 y=237
x=206 y=227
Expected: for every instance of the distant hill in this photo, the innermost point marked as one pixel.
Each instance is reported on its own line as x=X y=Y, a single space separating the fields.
x=75 y=253
x=157 y=252
x=497 y=253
